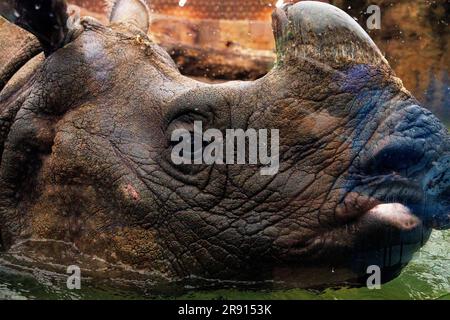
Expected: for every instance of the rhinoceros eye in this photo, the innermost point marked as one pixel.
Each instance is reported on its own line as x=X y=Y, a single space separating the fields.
x=193 y=122
x=197 y=148
x=190 y=128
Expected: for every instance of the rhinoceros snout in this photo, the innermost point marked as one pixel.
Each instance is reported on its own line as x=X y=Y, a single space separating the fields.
x=409 y=158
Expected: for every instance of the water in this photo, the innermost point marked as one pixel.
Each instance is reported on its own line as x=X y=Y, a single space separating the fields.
x=426 y=277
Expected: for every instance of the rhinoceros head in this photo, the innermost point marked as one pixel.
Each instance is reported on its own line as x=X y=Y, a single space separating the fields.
x=86 y=152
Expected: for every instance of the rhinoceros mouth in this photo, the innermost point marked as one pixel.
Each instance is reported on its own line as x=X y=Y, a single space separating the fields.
x=404 y=214
x=366 y=228
x=387 y=236
x=396 y=215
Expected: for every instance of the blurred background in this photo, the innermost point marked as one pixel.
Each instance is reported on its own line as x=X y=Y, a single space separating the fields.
x=218 y=40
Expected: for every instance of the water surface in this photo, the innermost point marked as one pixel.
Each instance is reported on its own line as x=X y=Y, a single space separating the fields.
x=426 y=277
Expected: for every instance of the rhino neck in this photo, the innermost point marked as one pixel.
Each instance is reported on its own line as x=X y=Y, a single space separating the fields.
x=323 y=33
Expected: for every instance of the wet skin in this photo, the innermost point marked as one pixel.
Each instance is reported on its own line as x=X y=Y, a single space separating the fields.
x=85 y=156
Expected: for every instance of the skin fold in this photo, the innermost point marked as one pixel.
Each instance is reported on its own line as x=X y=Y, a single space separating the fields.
x=85 y=155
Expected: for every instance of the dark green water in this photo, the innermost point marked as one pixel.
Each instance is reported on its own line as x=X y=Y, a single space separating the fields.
x=426 y=277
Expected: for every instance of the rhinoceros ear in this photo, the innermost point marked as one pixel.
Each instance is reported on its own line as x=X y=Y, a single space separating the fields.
x=323 y=33
x=129 y=11
x=46 y=19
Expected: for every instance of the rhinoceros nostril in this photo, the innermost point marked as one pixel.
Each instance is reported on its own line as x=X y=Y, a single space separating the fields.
x=398 y=158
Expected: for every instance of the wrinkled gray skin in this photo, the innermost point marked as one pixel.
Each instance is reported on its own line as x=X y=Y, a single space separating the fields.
x=85 y=155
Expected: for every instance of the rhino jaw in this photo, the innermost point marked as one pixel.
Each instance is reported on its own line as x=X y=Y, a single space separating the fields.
x=322 y=32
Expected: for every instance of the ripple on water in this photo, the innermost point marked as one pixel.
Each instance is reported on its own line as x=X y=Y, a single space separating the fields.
x=426 y=277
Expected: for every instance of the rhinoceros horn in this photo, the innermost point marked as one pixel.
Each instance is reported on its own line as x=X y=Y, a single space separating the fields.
x=46 y=19
x=129 y=11
x=323 y=33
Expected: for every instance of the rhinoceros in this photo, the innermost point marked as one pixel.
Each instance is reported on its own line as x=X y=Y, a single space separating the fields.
x=87 y=112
